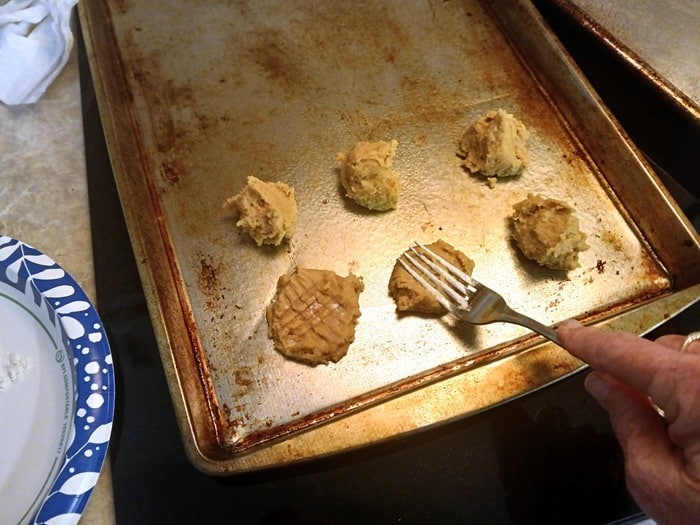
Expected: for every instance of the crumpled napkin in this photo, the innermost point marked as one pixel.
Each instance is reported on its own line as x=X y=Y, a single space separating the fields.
x=35 y=43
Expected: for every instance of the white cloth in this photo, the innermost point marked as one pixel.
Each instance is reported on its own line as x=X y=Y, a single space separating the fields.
x=35 y=43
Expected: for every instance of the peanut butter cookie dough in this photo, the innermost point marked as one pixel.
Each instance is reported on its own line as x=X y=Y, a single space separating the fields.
x=267 y=211
x=366 y=175
x=494 y=146
x=547 y=231
x=409 y=294
x=313 y=316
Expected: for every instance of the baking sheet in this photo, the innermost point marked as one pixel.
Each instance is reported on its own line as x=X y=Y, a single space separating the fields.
x=660 y=54
x=197 y=96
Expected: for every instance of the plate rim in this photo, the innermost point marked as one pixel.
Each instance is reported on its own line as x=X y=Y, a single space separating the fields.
x=40 y=278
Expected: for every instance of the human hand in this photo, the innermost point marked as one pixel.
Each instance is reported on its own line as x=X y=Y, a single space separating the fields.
x=662 y=455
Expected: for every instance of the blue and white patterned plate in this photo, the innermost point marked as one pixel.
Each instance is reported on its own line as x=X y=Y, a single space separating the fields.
x=56 y=390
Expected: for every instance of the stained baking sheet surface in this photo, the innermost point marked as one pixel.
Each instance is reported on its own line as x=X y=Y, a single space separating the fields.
x=276 y=89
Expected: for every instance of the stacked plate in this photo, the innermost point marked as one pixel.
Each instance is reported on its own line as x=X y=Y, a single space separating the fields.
x=56 y=390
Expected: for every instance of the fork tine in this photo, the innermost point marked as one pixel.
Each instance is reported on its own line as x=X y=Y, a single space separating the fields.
x=422 y=280
x=470 y=282
x=423 y=269
x=462 y=295
x=448 y=287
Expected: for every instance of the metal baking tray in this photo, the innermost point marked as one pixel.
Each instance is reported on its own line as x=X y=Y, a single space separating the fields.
x=196 y=96
x=659 y=56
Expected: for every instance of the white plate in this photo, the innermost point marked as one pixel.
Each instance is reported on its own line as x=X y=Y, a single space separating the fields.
x=56 y=417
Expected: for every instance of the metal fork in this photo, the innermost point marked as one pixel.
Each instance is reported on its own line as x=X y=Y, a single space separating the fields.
x=462 y=295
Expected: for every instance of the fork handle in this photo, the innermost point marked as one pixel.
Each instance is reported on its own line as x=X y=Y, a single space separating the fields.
x=511 y=316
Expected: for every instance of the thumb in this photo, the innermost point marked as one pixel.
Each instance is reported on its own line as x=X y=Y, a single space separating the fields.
x=635 y=422
x=642 y=433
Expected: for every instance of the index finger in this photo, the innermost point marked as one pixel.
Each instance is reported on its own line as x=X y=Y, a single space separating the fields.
x=631 y=359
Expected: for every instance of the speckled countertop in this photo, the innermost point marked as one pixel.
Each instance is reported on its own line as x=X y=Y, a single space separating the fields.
x=44 y=202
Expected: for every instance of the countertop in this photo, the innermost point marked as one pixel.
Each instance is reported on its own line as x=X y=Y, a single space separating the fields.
x=44 y=202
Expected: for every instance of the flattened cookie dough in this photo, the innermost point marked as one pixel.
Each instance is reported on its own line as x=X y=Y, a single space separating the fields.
x=408 y=293
x=366 y=175
x=267 y=211
x=547 y=231
x=313 y=316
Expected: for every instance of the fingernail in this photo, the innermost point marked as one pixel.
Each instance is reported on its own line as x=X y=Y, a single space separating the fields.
x=570 y=324
x=597 y=386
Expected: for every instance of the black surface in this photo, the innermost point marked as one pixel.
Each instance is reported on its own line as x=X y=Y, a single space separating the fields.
x=549 y=457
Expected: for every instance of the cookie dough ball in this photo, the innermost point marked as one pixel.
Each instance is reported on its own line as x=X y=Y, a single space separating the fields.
x=494 y=146
x=267 y=211
x=313 y=315
x=408 y=293
x=547 y=231
x=366 y=175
